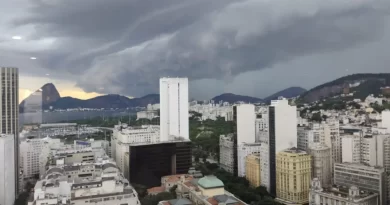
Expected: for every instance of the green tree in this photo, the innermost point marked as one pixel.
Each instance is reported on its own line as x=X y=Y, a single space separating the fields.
x=316 y=117
x=172 y=190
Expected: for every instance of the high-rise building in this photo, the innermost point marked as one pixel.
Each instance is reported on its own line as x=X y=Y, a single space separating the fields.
x=293 y=175
x=149 y=162
x=174 y=108
x=9 y=121
x=244 y=132
x=351 y=148
x=30 y=151
x=7 y=169
x=244 y=150
x=245 y=123
x=367 y=178
x=305 y=138
x=226 y=152
x=321 y=164
x=386 y=119
x=252 y=174
x=282 y=134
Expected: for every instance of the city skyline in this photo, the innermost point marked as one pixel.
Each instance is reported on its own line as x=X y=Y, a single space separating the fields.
x=172 y=38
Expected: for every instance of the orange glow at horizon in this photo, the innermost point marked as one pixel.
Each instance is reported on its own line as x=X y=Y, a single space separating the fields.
x=75 y=93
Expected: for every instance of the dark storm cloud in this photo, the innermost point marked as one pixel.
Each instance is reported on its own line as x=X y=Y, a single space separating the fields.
x=125 y=46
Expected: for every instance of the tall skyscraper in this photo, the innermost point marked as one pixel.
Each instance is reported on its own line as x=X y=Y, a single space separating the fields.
x=174 y=108
x=7 y=170
x=281 y=135
x=9 y=109
x=244 y=133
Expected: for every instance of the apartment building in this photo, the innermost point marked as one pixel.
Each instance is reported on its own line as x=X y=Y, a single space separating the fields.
x=351 y=148
x=226 y=152
x=244 y=150
x=252 y=167
x=367 y=178
x=7 y=169
x=293 y=175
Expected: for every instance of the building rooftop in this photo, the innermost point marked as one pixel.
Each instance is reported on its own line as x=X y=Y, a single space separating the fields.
x=183 y=201
x=344 y=192
x=223 y=199
x=294 y=150
x=210 y=181
x=163 y=142
x=57 y=125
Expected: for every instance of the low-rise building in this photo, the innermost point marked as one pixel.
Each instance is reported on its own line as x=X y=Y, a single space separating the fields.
x=208 y=190
x=367 y=178
x=340 y=195
x=98 y=183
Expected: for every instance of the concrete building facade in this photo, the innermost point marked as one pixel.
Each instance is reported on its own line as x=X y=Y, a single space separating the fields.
x=293 y=175
x=282 y=135
x=226 y=152
x=99 y=183
x=367 y=178
x=321 y=164
x=174 y=108
x=386 y=120
x=351 y=148
x=30 y=151
x=252 y=167
x=339 y=195
x=243 y=151
x=9 y=109
x=7 y=169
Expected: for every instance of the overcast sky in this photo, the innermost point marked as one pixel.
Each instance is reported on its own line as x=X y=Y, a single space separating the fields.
x=248 y=47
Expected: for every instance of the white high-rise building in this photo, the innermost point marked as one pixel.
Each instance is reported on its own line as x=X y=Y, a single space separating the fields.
x=243 y=151
x=7 y=170
x=174 y=108
x=9 y=110
x=30 y=150
x=351 y=148
x=246 y=119
x=282 y=135
x=386 y=119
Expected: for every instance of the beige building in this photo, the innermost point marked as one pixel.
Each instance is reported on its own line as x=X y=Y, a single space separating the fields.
x=293 y=175
x=252 y=167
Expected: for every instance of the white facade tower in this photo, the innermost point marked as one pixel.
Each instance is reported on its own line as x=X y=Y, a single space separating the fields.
x=9 y=110
x=7 y=169
x=173 y=108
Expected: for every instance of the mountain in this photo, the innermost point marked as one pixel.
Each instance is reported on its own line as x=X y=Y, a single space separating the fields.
x=47 y=96
x=232 y=98
x=106 y=101
x=287 y=93
x=42 y=97
x=361 y=85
